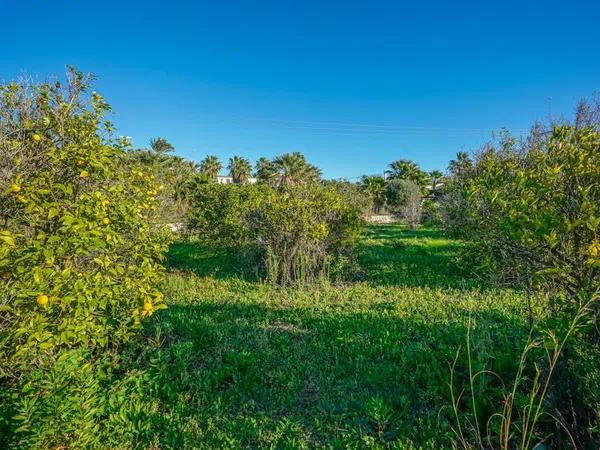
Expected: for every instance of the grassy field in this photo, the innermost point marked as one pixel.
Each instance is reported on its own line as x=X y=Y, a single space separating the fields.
x=234 y=363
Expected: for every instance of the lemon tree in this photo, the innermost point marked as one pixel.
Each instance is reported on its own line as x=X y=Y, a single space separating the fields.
x=80 y=258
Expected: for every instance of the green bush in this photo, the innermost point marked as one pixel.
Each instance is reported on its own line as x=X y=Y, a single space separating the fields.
x=217 y=216
x=536 y=209
x=303 y=233
x=431 y=215
x=79 y=257
x=292 y=235
x=404 y=201
x=353 y=194
x=531 y=211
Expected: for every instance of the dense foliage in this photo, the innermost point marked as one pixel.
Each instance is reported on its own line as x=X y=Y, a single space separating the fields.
x=303 y=234
x=79 y=254
x=295 y=234
x=174 y=178
x=531 y=212
x=404 y=201
x=218 y=215
x=534 y=209
x=286 y=170
x=404 y=169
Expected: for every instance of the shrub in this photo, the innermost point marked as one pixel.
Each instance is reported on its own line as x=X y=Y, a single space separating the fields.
x=294 y=234
x=532 y=213
x=79 y=256
x=431 y=215
x=404 y=201
x=303 y=232
x=353 y=194
x=453 y=202
x=536 y=208
x=218 y=214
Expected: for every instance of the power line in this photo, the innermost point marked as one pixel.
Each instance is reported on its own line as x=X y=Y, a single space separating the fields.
x=350 y=129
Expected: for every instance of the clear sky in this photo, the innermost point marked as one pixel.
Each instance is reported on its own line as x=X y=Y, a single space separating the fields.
x=353 y=85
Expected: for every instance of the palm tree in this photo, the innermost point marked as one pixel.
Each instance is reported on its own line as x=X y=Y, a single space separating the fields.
x=374 y=186
x=210 y=167
x=240 y=169
x=265 y=171
x=435 y=176
x=161 y=146
x=405 y=169
x=461 y=165
x=293 y=169
x=156 y=154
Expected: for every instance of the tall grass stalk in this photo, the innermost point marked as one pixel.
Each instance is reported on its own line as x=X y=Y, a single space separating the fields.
x=525 y=423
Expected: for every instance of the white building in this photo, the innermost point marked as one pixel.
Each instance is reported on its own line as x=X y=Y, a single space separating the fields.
x=228 y=179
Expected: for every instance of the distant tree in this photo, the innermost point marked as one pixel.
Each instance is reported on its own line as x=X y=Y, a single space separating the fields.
x=374 y=186
x=404 y=201
x=405 y=169
x=435 y=176
x=161 y=146
x=156 y=154
x=210 y=167
x=266 y=172
x=292 y=168
x=461 y=165
x=435 y=179
x=587 y=113
x=172 y=172
x=240 y=169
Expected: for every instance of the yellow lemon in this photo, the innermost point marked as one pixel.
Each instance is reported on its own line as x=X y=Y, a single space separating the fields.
x=147 y=310
x=42 y=300
x=36 y=137
x=84 y=174
x=106 y=221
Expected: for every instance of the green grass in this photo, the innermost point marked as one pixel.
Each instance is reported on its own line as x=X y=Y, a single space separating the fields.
x=234 y=363
x=423 y=258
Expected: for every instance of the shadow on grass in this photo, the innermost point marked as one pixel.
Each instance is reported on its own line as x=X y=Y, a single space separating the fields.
x=388 y=255
x=192 y=257
x=393 y=256
x=334 y=377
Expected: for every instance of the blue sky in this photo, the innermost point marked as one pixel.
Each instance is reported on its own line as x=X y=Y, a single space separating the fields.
x=353 y=85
